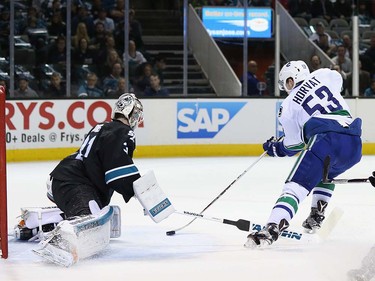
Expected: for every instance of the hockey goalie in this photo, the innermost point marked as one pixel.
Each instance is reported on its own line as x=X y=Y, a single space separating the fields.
x=82 y=185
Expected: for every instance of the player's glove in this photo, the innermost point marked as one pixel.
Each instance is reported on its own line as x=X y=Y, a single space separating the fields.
x=272 y=147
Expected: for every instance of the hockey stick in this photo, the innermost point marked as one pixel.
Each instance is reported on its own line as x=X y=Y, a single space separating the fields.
x=327 y=162
x=243 y=225
x=173 y=232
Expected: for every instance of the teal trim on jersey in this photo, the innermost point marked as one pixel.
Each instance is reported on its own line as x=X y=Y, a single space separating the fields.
x=289 y=200
x=340 y=112
x=330 y=186
x=297 y=147
x=300 y=157
x=120 y=172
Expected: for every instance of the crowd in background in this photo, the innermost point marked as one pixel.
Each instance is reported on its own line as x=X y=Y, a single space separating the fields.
x=98 y=53
x=97 y=50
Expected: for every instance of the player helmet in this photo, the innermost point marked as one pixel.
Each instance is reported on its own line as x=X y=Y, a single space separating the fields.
x=297 y=70
x=131 y=107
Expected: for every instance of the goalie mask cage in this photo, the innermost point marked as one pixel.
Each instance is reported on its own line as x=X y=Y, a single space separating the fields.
x=3 y=181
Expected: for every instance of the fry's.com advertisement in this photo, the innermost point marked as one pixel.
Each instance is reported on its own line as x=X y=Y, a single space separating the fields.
x=42 y=123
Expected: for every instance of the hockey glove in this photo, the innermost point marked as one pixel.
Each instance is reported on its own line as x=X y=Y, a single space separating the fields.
x=276 y=148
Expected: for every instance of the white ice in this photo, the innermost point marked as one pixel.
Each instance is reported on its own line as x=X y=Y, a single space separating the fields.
x=205 y=250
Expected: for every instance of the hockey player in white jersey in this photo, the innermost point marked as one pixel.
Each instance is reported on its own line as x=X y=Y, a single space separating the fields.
x=317 y=122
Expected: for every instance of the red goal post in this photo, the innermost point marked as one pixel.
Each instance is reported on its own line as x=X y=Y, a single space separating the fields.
x=3 y=180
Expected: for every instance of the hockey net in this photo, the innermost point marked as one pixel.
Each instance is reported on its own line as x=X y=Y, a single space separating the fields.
x=3 y=185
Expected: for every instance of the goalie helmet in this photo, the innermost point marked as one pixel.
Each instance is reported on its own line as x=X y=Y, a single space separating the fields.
x=297 y=70
x=131 y=107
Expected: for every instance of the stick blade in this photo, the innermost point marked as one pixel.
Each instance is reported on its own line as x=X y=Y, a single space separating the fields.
x=243 y=225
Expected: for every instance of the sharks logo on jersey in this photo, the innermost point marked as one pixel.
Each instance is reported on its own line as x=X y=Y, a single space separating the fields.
x=204 y=119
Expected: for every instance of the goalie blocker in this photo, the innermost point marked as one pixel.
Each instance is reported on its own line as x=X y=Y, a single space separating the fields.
x=149 y=194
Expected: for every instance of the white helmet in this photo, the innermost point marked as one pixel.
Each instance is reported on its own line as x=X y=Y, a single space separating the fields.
x=297 y=70
x=131 y=107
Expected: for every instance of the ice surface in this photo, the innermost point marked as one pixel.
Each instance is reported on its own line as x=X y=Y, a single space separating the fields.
x=205 y=250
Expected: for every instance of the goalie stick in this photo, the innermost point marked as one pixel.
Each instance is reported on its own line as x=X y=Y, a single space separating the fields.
x=327 y=162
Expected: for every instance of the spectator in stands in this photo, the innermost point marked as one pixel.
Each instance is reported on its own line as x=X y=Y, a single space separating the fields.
x=90 y=88
x=55 y=8
x=160 y=63
x=341 y=59
x=134 y=57
x=252 y=80
x=300 y=8
x=82 y=54
x=81 y=32
x=111 y=80
x=56 y=89
x=117 y=13
x=315 y=63
x=143 y=81
x=109 y=24
x=57 y=51
x=155 y=89
x=364 y=13
x=322 y=39
x=33 y=20
x=344 y=78
x=344 y=9
x=96 y=6
x=119 y=90
x=364 y=81
x=98 y=41
x=56 y=26
x=370 y=91
x=83 y=15
x=323 y=9
x=112 y=59
x=347 y=42
x=24 y=91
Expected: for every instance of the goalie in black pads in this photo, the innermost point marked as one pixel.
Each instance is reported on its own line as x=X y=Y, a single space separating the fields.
x=317 y=123
x=82 y=185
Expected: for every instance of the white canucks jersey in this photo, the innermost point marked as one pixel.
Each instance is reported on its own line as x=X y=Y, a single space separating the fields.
x=317 y=96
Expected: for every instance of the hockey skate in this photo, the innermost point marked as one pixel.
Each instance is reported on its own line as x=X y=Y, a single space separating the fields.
x=316 y=217
x=266 y=236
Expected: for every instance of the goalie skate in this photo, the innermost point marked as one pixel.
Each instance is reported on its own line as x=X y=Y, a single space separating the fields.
x=266 y=236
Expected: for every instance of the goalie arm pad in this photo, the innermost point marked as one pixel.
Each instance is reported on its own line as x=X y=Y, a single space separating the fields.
x=152 y=198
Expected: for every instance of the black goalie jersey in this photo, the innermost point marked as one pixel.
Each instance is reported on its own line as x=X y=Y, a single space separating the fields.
x=103 y=161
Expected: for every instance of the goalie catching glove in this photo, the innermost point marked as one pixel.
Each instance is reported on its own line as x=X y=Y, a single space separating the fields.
x=276 y=148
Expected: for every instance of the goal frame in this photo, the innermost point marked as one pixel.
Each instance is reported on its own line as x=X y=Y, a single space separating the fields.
x=3 y=179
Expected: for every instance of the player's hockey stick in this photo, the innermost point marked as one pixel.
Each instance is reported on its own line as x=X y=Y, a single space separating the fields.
x=172 y=232
x=327 y=162
x=243 y=225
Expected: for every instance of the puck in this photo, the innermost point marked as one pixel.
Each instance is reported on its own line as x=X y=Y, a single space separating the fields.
x=170 y=233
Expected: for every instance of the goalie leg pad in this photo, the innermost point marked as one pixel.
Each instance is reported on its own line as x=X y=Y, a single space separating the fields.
x=76 y=239
x=152 y=198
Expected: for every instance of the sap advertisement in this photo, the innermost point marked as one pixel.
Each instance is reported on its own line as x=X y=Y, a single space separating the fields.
x=223 y=22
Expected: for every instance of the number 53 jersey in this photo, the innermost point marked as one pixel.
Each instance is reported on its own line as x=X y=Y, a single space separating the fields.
x=317 y=98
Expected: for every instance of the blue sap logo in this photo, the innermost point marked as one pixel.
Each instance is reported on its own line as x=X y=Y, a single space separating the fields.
x=204 y=119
